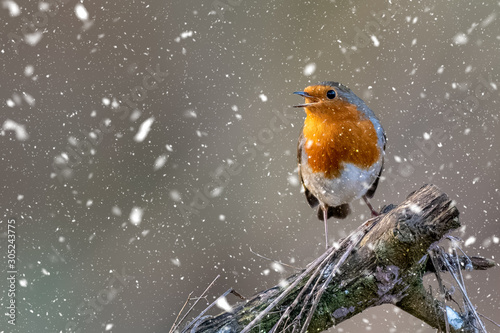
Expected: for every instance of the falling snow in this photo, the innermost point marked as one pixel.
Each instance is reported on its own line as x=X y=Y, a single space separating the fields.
x=12 y=6
x=136 y=215
x=223 y=304
x=160 y=162
x=175 y=195
x=460 y=39
x=20 y=130
x=471 y=240
x=190 y=114
x=144 y=130
x=309 y=69
x=81 y=12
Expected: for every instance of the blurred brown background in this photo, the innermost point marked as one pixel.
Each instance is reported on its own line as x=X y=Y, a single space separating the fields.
x=103 y=243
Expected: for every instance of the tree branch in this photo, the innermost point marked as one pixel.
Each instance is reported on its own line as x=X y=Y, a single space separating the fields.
x=381 y=262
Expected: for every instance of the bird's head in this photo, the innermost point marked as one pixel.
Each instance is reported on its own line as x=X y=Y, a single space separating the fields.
x=327 y=97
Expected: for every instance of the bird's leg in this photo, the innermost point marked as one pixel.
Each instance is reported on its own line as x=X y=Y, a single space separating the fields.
x=325 y=218
x=374 y=212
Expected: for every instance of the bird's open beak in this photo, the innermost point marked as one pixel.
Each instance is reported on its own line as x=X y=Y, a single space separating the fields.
x=305 y=95
x=302 y=93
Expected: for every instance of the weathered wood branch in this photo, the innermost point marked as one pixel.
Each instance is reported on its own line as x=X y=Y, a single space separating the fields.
x=382 y=262
x=478 y=264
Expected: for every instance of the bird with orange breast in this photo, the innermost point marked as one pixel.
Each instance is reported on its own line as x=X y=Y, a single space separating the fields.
x=340 y=151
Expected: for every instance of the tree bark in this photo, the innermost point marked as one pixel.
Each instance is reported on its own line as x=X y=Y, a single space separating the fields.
x=386 y=266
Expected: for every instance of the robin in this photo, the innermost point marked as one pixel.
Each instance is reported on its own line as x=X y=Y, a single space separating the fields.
x=340 y=151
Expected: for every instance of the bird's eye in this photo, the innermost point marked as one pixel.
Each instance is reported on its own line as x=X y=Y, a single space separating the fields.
x=331 y=94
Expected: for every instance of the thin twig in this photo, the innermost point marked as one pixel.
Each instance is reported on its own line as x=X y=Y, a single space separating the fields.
x=177 y=318
x=192 y=306
x=433 y=257
x=199 y=322
x=304 y=289
x=308 y=297
x=489 y=319
x=195 y=320
x=279 y=262
x=467 y=301
x=459 y=269
x=363 y=229
x=235 y=293
x=434 y=308
x=278 y=299
x=325 y=285
x=451 y=269
x=298 y=318
x=356 y=236
x=454 y=238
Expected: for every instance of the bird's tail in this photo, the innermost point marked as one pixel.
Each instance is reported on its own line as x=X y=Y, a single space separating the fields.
x=339 y=212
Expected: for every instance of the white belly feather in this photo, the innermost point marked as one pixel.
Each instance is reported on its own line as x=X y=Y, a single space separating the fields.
x=351 y=185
